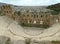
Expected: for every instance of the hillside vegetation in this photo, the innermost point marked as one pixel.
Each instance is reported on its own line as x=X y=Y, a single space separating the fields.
x=55 y=7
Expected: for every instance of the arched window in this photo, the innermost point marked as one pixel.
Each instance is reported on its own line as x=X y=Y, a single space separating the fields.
x=28 y=21
x=34 y=22
x=7 y=11
x=37 y=16
x=41 y=16
x=56 y=20
x=41 y=22
x=27 y=15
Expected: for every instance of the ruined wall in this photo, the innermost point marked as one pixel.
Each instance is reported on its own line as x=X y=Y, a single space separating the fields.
x=30 y=17
x=42 y=19
x=7 y=10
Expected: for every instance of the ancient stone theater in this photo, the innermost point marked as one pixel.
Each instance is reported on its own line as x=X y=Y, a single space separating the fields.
x=31 y=18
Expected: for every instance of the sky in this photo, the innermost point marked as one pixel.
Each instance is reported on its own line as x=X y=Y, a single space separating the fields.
x=31 y=2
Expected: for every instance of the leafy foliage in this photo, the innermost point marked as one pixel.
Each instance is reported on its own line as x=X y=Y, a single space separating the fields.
x=55 y=7
x=54 y=12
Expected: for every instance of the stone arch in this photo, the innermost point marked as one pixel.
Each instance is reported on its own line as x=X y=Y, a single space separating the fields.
x=41 y=16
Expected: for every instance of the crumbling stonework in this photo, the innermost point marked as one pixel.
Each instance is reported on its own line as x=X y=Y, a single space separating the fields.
x=31 y=18
x=7 y=10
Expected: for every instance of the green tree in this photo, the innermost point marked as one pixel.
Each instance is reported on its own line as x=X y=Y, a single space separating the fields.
x=55 y=7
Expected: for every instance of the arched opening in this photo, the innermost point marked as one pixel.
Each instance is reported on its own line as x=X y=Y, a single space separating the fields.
x=41 y=22
x=41 y=16
x=57 y=20
x=34 y=22
x=28 y=21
